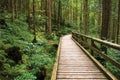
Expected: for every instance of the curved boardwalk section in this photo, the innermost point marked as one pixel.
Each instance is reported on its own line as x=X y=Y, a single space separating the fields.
x=74 y=64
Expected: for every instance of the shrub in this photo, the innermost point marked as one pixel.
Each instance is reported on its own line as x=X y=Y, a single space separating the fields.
x=25 y=76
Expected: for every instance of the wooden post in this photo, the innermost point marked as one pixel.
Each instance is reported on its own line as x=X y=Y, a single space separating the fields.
x=92 y=44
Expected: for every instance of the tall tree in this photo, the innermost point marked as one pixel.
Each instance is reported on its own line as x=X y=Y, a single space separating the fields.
x=9 y=5
x=106 y=18
x=81 y=15
x=48 y=14
x=59 y=14
x=76 y=13
x=86 y=17
x=118 y=27
x=55 y=16
x=72 y=10
x=69 y=7
x=12 y=6
x=34 y=21
x=99 y=15
x=16 y=8
x=28 y=13
x=21 y=2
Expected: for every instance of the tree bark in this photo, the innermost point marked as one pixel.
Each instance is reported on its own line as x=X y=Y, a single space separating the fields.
x=59 y=15
x=9 y=5
x=86 y=17
x=16 y=8
x=77 y=14
x=106 y=16
x=99 y=15
x=48 y=14
x=72 y=11
x=69 y=12
x=28 y=15
x=34 y=21
x=12 y=5
x=81 y=16
x=55 y=16
x=118 y=27
x=21 y=10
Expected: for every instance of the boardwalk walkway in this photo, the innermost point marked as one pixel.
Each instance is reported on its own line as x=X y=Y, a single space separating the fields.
x=74 y=64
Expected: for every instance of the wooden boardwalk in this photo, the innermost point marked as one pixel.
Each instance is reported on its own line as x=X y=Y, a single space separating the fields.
x=74 y=64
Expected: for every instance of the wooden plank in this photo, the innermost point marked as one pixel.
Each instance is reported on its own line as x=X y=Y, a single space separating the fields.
x=101 y=67
x=74 y=59
x=81 y=75
x=82 y=79
x=78 y=65
x=74 y=64
x=78 y=70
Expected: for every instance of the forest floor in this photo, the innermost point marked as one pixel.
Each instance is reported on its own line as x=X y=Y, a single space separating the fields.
x=20 y=59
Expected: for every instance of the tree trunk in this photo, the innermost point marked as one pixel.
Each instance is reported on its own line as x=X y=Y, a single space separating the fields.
x=34 y=22
x=86 y=17
x=12 y=5
x=16 y=8
x=55 y=16
x=99 y=15
x=28 y=15
x=76 y=16
x=43 y=5
x=59 y=15
x=106 y=16
x=74 y=13
x=72 y=10
x=81 y=16
x=9 y=6
x=118 y=27
x=69 y=12
x=48 y=14
x=21 y=7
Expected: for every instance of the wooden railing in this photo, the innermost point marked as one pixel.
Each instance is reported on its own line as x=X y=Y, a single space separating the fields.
x=88 y=42
x=83 y=39
x=55 y=68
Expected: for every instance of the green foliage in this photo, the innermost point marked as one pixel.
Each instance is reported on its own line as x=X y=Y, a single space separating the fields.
x=114 y=54
x=53 y=36
x=35 y=56
x=1 y=44
x=113 y=69
x=20 y=30
x=66 y=30
x=38 y=61
x=36 y=48
x=26 y=76
x=13 y=32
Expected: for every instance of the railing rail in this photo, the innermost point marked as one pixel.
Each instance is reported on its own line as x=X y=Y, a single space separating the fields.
x=83 y=40
x=54 y=73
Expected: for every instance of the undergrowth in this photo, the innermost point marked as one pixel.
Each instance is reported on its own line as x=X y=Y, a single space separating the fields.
x=36 y=57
